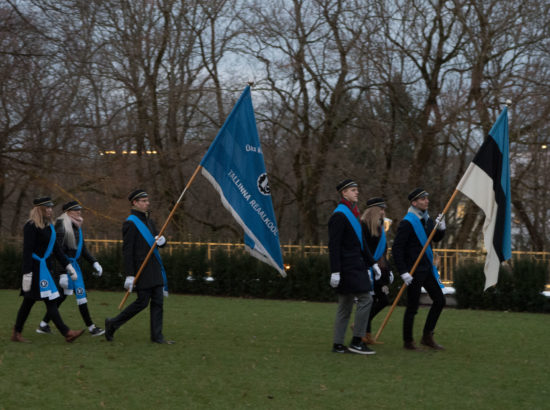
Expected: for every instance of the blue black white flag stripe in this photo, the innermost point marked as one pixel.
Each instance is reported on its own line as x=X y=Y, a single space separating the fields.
x=487 y=183
x=234 y=165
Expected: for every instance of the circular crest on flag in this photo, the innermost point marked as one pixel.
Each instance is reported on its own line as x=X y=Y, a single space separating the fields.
x=263 y=184
x=43 y=283
x=79 y=291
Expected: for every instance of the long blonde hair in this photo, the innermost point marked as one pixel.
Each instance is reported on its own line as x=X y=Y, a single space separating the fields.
x=69 y=239
x=39 y=218
x=372 y=219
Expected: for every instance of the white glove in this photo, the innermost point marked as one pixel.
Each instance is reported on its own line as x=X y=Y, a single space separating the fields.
x=335 y=279
x=129 y=283
x=26 y=282
x=72 y=273
x=98 y=269
x=391 y=277
x=64 y=281
x=161 y=240
x=377 y=271
x=440 y=221
x=407 y=278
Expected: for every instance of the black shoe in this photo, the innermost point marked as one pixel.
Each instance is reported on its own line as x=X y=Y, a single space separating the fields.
x=164 y=342
x=97 y=331
x=46 y=329
x=360 y=348
x=109 y=330
x=339 y=348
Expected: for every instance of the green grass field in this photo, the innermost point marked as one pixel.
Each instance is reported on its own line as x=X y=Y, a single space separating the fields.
x=265 y=354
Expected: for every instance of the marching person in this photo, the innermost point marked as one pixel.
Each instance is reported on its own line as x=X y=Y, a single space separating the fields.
x=139 y=234
x=412 y=234
x=349 y=263
x=372 y=222
x=68 y=228
x=39 y=245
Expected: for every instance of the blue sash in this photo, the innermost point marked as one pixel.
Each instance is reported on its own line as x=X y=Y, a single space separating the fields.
x=77 y=286
x=380 y=248
x=149 y=238
x=47 y=285
x=352 y=220
x=421 y=235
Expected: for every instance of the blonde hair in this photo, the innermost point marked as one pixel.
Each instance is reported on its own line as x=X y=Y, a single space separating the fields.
x=69 y=238
x=371 y=218
x=39 y=218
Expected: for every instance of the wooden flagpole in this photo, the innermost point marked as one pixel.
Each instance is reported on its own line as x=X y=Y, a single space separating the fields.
x=159 y=234
x=387 y=318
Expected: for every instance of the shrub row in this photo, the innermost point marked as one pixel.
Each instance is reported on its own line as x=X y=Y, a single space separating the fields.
x=238 y=274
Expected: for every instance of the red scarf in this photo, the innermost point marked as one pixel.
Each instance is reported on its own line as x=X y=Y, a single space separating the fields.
x=351 y=206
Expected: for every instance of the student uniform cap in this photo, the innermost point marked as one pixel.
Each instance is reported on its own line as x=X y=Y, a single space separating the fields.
x=138 y=193
x=43 y=201
x=417 y=194
x=346 y=183
x=72 y=206
x=376 y=202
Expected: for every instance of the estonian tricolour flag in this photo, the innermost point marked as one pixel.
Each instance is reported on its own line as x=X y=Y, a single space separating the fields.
x=234 y=165
x=487 y=183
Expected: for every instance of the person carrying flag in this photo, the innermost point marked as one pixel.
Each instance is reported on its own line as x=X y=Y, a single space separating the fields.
x=349 y=262
x=68 y=229
x=372 y=222
x=412 y=234
x=138 y=236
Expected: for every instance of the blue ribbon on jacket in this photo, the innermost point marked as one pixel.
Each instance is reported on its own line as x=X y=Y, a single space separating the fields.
x=352 y=220
x=421 y=235
x=77 y=286
x=379 y=251
x=46 y=283
x=150 y=239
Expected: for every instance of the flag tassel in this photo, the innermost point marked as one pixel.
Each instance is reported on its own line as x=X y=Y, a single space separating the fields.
x=387 y=318
x=159 y=234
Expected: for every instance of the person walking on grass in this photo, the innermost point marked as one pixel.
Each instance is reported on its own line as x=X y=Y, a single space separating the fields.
x=349 y=263
x=138 y=236
x=412 y=234
x=372 y=222
x=39 y=247
x=68 y=229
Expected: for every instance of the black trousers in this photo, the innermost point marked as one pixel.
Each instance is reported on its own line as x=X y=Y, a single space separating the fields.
x=380 y=301
x=154 y=297
x=51 y=307
x=83 y=308
x=428 y=281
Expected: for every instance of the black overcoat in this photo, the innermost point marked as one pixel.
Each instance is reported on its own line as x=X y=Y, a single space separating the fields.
x=36 y=240
x=135 y=249
x=61 y=240
x=406 y=246
x=347 y=257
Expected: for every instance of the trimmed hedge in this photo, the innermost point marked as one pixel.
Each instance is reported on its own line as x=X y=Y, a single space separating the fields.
x=519 y=288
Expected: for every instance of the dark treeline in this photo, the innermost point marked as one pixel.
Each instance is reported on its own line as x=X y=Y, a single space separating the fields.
x=99 y=97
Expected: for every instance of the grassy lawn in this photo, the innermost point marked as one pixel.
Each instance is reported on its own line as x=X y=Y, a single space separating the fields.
x=264 y=354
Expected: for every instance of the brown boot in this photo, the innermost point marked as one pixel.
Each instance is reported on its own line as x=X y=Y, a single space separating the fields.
x=428 y=340
x=411 y=346
x=17 y=337
x=72 y=335
x=368 y=339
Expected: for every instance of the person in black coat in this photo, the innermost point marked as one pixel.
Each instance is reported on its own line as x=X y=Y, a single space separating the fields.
x=68 y=229
x=372 y=221
x=139 y=234
x=411 y=236
x=349 y=263
x=39 y=247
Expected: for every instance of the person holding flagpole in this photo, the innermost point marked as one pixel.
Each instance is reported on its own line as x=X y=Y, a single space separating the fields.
x=412 y=234
x=349 y=262
x=138 y=236
x=372 y=222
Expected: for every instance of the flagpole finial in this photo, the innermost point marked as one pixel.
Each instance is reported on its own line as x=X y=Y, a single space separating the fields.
x=250 y=83
x=508 y=103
